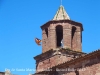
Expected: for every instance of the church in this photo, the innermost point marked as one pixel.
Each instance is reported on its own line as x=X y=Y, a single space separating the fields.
x=62 y=49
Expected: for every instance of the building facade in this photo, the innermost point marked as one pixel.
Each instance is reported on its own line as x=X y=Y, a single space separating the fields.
x=62 y=49
x=7 y=72
x=2 y=73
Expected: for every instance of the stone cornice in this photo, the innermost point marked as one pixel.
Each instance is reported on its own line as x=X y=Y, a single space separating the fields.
x=62 y=21
x=62 y=50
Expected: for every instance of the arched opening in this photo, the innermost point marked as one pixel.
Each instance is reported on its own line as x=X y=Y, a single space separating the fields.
x=59 y=35
x=46 y=30
x=76 y=72
x=73 y=36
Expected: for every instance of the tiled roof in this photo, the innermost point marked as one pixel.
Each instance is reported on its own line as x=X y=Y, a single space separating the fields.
x=60 y=49
x=92 y=54
x=61 y=14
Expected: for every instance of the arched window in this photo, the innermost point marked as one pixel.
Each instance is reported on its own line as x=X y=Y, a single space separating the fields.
x=73 y=36
x=76 y=72
x=59 y=35
x=46 y=30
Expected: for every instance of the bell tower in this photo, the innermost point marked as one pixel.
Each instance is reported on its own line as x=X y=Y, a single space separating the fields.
x=61 y=32
x=61 y=42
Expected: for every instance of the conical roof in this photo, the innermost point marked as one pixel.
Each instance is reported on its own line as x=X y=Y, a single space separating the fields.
x=61 y=14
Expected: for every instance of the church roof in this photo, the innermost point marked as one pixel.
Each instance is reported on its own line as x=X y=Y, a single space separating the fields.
x=65 y=64
x=61 y=14
x=47 y=53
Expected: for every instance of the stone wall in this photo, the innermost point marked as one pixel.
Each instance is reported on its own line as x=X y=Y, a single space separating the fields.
x=52 y=61
x=86 y=67
x=2 y=73
x=50 y=42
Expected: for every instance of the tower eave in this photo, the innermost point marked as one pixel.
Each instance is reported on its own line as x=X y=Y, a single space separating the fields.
x=62 y=21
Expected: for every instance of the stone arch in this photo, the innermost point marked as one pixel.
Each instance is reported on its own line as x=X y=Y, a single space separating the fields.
x=46 y=31
x=59 y=35
x=73 y=37
x=76 y=72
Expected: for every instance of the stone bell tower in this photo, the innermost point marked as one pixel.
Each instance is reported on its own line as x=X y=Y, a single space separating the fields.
x=61 y=28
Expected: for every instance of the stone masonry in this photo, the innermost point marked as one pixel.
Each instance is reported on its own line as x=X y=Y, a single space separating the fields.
x=62 y=49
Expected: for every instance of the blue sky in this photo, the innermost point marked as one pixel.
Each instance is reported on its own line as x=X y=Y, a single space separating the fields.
x=20 y=22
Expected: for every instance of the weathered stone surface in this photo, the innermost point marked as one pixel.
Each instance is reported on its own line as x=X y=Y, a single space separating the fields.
x=71 y=58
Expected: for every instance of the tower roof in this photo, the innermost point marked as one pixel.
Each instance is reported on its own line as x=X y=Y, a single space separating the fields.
x=61 y=14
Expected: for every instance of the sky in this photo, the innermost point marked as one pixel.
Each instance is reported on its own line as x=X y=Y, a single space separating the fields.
x=20 y=22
